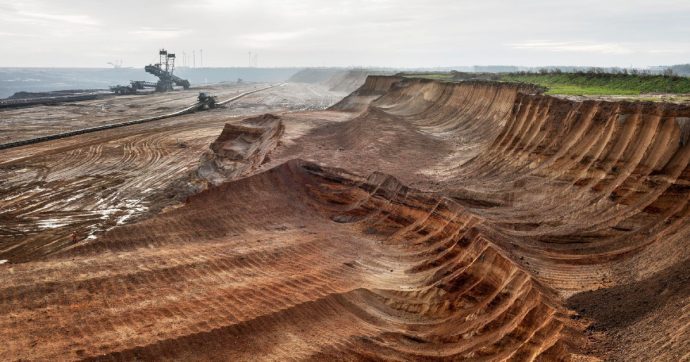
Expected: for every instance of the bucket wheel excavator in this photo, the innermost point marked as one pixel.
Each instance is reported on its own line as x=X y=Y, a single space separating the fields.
x=163 y=70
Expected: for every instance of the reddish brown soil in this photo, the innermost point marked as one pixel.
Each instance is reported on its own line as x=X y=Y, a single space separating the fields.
x=513 y=226
x=90 y=183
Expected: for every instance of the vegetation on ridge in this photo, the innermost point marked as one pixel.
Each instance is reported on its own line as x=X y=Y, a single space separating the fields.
x=603 y=83
x=593 y=82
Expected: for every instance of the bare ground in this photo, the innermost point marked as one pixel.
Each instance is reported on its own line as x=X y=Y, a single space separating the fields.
x=424 y=221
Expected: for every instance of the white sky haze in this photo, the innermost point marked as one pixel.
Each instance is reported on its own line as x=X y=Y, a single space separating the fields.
x=82 y=33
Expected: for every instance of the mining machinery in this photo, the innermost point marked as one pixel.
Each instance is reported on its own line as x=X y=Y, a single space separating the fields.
x=163 y=70
x=206 y=101
x=133 y=87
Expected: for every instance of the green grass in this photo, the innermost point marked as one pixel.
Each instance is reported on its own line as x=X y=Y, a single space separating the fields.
x=434 y=76
x=603 y=84
x=588 y=84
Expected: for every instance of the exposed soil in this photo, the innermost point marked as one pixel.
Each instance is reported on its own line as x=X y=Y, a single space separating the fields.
x=413 y=220
x=87 y=184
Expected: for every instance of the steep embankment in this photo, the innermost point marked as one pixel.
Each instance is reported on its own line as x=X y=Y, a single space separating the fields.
x=575 y=182
x=417 y=130
x=593 y=196
x=622 y=167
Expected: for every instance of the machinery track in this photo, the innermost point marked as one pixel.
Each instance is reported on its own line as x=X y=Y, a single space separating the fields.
x=186 y=110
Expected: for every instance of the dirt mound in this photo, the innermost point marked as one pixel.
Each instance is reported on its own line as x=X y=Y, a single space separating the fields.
x=240 y=148
x=348 y=267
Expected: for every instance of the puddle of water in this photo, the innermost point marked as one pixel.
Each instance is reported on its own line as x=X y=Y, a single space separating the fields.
x=132 y=208
x=51 y=223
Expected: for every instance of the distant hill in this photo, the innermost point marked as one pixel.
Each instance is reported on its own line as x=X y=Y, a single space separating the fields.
x=336 y=79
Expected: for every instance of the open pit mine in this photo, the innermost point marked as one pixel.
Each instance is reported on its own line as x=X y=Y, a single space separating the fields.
x=409 y=220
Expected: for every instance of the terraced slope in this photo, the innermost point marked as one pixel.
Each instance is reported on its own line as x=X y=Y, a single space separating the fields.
x=345 y=266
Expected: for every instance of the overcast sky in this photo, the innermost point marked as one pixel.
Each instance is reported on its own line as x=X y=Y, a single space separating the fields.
x=402 y=33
